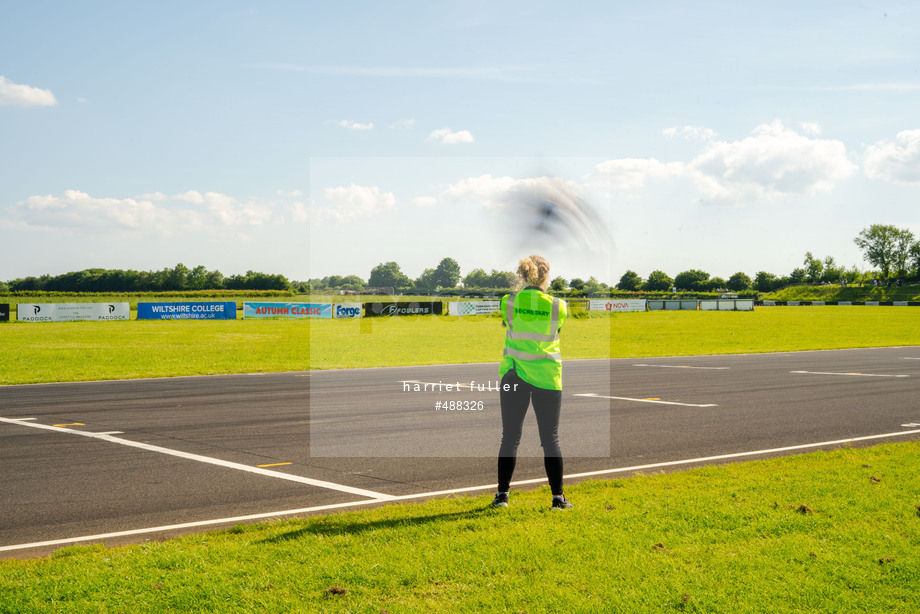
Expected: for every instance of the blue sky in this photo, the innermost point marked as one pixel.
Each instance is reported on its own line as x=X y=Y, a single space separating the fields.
x=316 y=138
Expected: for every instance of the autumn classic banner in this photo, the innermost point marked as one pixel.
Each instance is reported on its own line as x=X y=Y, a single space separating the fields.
x=287 y=310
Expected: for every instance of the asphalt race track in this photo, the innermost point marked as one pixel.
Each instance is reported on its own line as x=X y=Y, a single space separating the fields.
x=126 y=461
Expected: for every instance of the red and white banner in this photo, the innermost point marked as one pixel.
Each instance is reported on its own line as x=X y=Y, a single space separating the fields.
x=616 y=304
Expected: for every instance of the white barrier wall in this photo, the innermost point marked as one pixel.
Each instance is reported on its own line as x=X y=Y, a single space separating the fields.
x=728 y=305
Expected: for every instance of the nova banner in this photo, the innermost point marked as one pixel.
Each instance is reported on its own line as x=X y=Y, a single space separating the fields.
x=4 y=312
x=403 y=309
x=72 y=312
x=614 y=304
x=224 y=310
x=472 y=308
x=287 y=310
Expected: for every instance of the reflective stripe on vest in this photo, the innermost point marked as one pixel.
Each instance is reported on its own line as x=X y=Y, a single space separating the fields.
x=525 y=356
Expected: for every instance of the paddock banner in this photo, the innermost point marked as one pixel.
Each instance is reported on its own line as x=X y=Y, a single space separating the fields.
x=223 y=310
x=472 y=308
x=403 y=309
x=287 y=310
x=4 y=312
x=72 y=312
x=614 y=304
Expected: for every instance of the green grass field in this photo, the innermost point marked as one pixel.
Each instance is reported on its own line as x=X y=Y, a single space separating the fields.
x=75 y=351
x=824 y=532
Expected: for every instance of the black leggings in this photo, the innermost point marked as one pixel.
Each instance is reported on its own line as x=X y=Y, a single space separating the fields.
x=547 y=405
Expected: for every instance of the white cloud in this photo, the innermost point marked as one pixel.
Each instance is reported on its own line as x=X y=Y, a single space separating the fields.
x=16 y=95
x=535 y=207
x=227 y=210
x=347 y=123
x=449 y=137
x=424 y=201
x=897 y=161
x=300 y=213
x=82 y=100
x=486 y=190
x=403 y=124
x=690 y=133
x=155 y=213
x=811 y=128
x=354 y=202
x=498 y=192
x=774 y=161
x=631 y=173
x=76 y=210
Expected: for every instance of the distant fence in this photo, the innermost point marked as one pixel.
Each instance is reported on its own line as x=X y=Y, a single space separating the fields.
x=821 y=303
x=740 y=304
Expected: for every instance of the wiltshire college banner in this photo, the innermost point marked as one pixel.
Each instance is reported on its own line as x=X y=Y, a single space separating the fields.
x=402 y=309
x=72 y=312
x=224 y=310
x=287 y=310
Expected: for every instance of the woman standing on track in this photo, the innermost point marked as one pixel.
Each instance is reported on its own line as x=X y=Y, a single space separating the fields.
x=531 y=371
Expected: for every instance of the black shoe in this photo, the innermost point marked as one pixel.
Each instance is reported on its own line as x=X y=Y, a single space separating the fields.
x=561 y=503
x=501 y=500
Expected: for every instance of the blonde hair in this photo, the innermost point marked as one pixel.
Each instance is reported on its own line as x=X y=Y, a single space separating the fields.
x=534 y=271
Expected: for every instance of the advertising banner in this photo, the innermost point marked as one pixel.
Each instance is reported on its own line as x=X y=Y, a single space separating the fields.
x=348 y=310
x=615 y=304
x=224 y=310
x=72 y=312
x=403 y=309
x=4 y=312
x=287 y=310
x=472 y=308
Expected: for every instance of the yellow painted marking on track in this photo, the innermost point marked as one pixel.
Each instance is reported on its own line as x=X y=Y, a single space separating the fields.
x=652 y=399
x=273 y=465
x=71 y=424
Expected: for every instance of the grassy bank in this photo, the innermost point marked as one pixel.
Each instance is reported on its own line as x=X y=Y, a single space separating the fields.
x=76 y=351
x=849 y=293
x=824 y=532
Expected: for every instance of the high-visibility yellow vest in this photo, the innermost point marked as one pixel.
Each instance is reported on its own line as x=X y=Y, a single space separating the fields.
x=532 y=339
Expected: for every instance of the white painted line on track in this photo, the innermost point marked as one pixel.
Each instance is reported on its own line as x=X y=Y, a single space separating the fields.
x=657 y=401
x=910 y=357
x=853 y=374
x=207 y=459
x=685 y=367
x=453 y=491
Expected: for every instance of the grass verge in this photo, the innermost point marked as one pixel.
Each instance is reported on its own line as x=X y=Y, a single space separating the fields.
x=835 y=531
x=77 y=351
